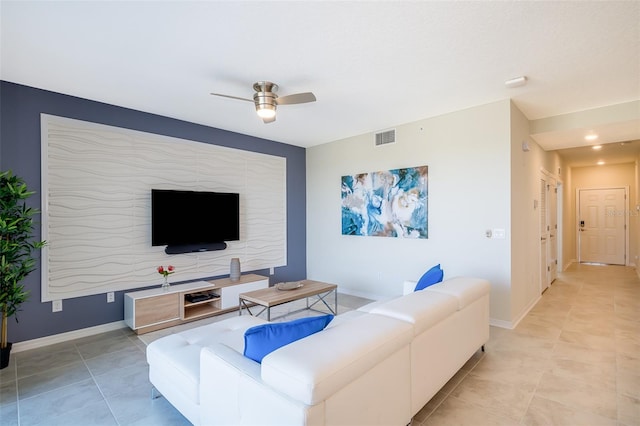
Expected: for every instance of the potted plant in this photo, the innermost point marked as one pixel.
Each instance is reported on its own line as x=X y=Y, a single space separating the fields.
x=16 y=248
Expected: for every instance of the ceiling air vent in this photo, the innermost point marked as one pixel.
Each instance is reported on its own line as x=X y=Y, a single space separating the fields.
x=386 y=137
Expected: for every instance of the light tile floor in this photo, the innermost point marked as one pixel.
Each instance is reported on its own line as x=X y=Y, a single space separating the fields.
x=574 y=360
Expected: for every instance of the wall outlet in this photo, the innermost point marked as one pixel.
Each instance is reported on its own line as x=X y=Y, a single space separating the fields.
x=498 y=234
x=111 y=297
x=56 y=306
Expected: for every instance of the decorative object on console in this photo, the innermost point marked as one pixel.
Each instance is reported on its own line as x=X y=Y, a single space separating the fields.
x=293 y=285
x=234 y=269
x=433 y=276
x=165 y=273
x=390 y=203
x=261 y=340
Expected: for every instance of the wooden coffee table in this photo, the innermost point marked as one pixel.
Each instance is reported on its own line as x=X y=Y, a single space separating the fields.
x=270 y=297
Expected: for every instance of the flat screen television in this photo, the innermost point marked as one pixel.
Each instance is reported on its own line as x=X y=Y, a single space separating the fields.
x=187 y=221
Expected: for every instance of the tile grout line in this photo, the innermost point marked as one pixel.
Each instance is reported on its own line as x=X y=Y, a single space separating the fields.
x=106 y=401
x=573 y=305
x=448 y=394
x=17 y=391
x=544 y=371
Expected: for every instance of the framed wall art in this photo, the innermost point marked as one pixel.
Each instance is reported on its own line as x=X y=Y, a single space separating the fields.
x=391 y=203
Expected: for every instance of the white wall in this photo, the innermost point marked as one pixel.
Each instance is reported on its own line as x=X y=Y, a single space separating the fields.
x=468 y=154
x=525 y=221
x=526 y=172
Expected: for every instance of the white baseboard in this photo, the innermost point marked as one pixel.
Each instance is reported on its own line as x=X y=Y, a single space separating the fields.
x=513 y=324
x=566 y=266
x=65 y=337
x=501 y=323
x=365 y=295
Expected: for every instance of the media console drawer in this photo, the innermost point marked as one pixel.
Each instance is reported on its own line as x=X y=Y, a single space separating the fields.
x=154 y=310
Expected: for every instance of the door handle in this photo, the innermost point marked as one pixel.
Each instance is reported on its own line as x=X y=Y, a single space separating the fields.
x=543 y=239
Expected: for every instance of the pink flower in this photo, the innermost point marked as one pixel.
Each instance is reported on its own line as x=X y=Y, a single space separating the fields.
x=164 y=272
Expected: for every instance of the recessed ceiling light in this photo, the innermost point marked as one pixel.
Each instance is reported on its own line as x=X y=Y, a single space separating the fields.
x=597 y=147
x=600 y=163
x=591 y=137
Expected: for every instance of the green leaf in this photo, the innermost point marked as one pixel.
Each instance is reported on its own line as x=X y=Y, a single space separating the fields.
x=16 y=243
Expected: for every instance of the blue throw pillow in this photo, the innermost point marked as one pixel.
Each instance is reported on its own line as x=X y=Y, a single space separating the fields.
x=261 y=340
x=432 y=276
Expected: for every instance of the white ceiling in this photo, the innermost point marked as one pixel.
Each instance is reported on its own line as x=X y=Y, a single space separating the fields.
x=372 y=65
x=611 y=153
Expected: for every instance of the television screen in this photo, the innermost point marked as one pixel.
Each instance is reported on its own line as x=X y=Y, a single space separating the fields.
x=193 y=217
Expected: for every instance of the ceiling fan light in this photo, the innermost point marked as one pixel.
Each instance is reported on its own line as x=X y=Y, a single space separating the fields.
x=265 y=104
x=266 y=110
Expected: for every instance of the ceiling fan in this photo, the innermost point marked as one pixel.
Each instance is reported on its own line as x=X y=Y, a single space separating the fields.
x=266 y=100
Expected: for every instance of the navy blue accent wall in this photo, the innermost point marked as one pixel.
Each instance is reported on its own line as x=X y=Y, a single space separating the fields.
x=20 y=109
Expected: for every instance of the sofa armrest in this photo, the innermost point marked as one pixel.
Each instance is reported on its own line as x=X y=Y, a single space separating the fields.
x=232 y=359
x=233 y=393
x=409 y=286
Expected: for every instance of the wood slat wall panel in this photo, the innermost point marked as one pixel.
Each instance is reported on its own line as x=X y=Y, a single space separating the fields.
x=96 y=189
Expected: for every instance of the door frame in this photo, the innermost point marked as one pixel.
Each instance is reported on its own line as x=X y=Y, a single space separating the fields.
x=559 y=184
x=560 y=212
x=625 y=215
x=543 y=229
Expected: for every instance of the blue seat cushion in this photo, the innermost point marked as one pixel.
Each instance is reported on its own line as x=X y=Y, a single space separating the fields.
x=261 y=340
x=432 y=276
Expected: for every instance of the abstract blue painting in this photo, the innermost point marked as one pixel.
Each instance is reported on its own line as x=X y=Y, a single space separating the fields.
x=390 y=203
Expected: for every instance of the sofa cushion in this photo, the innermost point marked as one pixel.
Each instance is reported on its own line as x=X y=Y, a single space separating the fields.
x=263 y=339
x=371 y=306
x=347 y=316
x=432 y=276
x=177 y=356
x=312 y=369
x=422 y=309
x=466 y=290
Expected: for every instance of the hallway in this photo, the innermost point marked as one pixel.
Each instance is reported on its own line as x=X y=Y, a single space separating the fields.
x=573 y=360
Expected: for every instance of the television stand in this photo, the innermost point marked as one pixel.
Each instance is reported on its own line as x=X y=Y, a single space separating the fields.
x=157 y=308
x=194 y=248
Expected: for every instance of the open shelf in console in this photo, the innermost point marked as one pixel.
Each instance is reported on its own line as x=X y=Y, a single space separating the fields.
x=200 y=303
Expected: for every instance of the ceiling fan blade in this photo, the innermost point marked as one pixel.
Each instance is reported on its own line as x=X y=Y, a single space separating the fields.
x=298 y=98
x=232 y=97
x=269 y=120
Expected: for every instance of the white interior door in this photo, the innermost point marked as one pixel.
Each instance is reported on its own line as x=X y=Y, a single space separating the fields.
x=544 y=235
x=552 y=201
x=602 y=225
x=560 y=210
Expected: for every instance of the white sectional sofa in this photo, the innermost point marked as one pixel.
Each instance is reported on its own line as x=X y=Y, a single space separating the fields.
x=378 y=365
